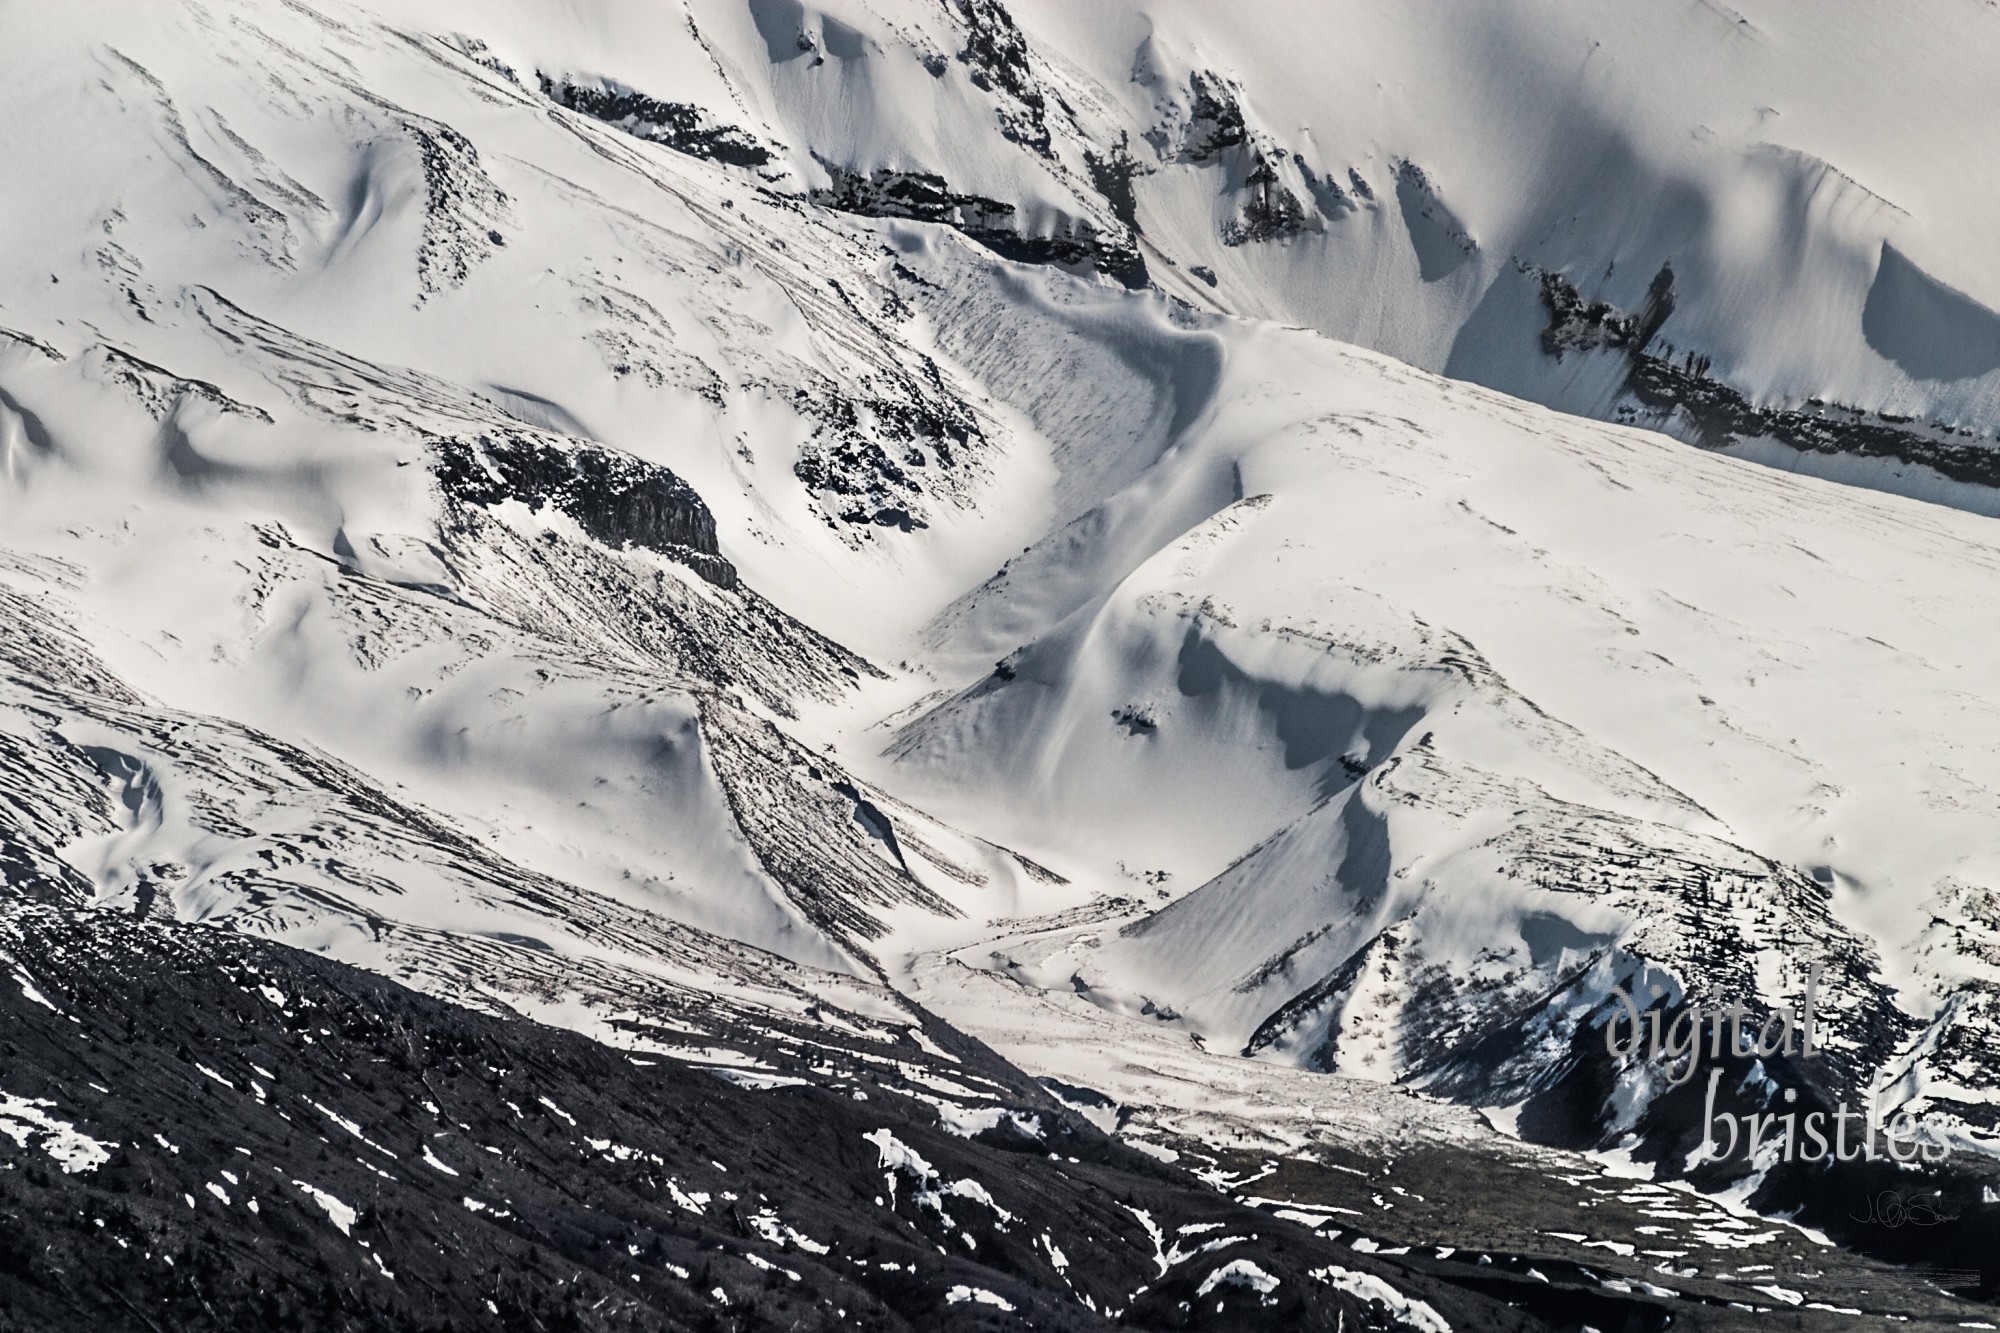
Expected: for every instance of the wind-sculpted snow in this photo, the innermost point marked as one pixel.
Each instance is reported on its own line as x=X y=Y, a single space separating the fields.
x=1422 y=854
x=1820 y=239
x=695 y=525
x=432 y=575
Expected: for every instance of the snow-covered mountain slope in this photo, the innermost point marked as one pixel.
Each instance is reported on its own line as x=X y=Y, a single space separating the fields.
x=1754 y=226
x=390 y=658
x=1449 y=710
x=693 y=524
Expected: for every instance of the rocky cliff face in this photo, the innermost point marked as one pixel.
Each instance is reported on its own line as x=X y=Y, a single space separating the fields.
x=677 y=125
x=617 y=499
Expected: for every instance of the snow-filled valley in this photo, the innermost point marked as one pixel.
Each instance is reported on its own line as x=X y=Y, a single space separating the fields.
x=1195 y=591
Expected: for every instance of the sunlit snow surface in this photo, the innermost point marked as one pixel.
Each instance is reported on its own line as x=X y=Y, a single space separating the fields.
x=1231 y=681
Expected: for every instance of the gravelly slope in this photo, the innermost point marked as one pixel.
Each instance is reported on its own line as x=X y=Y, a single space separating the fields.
x=214 y=1132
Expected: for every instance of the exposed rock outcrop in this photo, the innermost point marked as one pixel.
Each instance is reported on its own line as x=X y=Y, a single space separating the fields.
x=616 y=498
x=677 y=125
x=994 y=223
x=1676 y=385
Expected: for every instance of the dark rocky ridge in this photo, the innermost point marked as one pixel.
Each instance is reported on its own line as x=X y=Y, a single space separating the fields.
x=1215 y=118
x=1218 y=134
x=867 y=457
x=1962 y=1246
x=159 y=390
x=282 y=1142
x=677 y=125
x=616 y=498
x=1712 y=911
x=997 y=55
x=1555 y=1239
x=1271 y=213
x=926 y=197
x=1112 y=174
x=463 y=208
x=1717 y=415
x=1579 y=325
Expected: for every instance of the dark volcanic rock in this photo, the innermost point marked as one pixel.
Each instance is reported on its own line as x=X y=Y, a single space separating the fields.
x=997 y=55
x=1215 y=118
x=1718 y=415
x=866 y=457
x=1271 y=213
x=209 y=1131
x=462 y=207
x=1218 y=134
x=1579 y=325
x=921 y=195
x=1955 y=1235
x=616 y=498
x=1112 y=174
x=926 y=197
x=1522 y=1225
x=678 y=125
